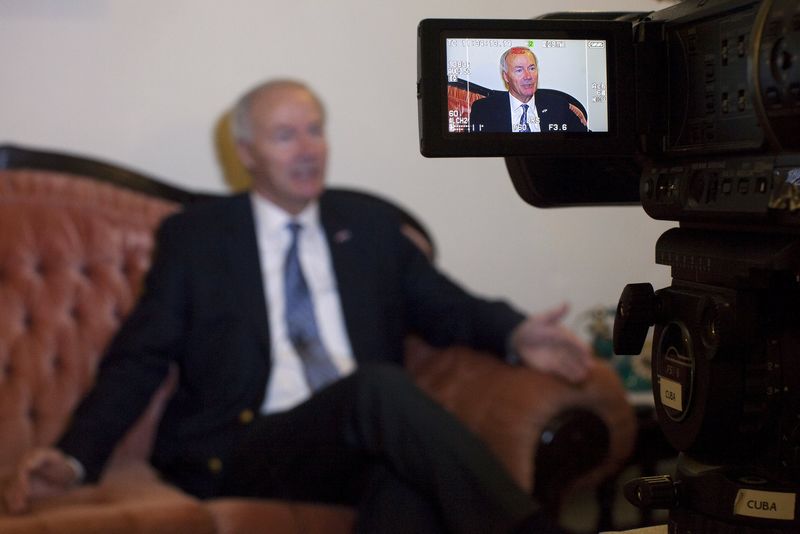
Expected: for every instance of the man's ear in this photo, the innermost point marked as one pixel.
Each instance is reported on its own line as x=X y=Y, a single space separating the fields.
x=244 y=151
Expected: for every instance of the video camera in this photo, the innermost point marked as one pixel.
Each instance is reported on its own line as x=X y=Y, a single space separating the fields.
x=694 y=112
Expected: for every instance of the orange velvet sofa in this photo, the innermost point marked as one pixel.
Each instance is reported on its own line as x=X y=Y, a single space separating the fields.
x=76 y=236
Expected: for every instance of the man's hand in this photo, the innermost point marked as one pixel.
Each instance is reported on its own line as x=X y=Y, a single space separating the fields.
x=43 y=472
x=543 y=343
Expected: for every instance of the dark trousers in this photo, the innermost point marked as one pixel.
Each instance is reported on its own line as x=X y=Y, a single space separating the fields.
x=374 y=440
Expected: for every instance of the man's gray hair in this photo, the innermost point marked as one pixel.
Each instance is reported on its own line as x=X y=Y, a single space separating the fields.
x=241 y=124
x=516 y=50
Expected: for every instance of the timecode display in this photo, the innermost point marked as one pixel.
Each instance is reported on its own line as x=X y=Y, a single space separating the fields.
x=470 y=43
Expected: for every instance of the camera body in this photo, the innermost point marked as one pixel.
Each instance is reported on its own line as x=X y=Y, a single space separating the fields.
x=690 y=85
x=694 y=112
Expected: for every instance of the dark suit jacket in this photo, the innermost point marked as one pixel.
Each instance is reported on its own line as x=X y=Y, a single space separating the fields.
x=493 y=113
x=203 y=308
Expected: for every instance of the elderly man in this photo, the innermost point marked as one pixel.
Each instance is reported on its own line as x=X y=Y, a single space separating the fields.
x=285 y=310
x=522 y=108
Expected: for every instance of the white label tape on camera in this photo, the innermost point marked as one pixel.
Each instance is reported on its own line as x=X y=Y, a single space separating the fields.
x=670 y=393
x=765 y=504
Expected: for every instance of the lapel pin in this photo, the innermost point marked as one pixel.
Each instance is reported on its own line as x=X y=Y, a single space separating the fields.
x=342 y=235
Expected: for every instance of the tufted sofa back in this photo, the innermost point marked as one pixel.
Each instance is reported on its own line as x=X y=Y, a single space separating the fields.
x=73 y=253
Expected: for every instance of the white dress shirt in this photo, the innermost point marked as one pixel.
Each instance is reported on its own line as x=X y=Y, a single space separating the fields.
x=287 y=385
x=516 y=114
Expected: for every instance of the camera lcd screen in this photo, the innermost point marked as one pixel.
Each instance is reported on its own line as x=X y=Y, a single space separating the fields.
x=525 y=87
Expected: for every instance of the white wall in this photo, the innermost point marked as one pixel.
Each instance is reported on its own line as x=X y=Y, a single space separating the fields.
x=143 y=83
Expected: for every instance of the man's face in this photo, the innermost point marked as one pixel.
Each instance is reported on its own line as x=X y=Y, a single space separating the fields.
x=522 y=76
x=287 y=151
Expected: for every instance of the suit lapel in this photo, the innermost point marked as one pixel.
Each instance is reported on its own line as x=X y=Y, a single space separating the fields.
x=542 y=109
x=348 y=267
x=501 y=111
x=245 y=266
x=505 y=112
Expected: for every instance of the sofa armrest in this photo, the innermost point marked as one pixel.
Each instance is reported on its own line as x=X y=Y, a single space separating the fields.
x=514 y=408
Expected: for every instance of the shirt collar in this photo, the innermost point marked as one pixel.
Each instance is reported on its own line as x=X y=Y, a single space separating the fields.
x=515 y=104
x=272 y=219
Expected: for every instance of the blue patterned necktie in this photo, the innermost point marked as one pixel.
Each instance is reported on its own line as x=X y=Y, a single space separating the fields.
x=303 y=333
x=523 y=120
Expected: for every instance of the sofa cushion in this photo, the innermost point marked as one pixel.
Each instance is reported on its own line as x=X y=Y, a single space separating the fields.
x=128 y=500
x=250 y=515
